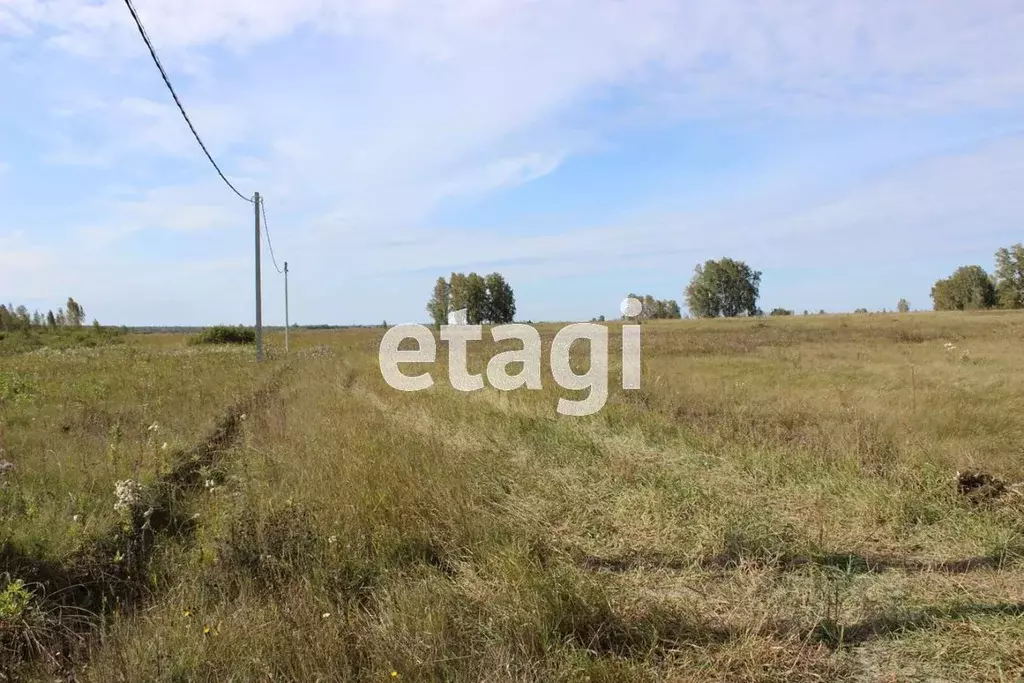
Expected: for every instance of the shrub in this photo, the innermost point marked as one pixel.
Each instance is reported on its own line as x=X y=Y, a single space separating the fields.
x=783 y=311
x=223 y=334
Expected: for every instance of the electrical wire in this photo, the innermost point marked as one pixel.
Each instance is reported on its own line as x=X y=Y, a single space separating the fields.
x=181 y=108
x=266 y=228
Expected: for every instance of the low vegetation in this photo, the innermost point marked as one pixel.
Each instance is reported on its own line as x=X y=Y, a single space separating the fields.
x=21 y=331
x=223 y=334
x=780 y=502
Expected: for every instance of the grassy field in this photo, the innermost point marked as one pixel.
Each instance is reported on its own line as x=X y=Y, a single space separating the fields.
x=778 y=503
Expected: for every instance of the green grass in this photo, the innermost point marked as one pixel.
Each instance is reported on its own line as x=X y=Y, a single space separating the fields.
x=776 y=504
x=21 y=341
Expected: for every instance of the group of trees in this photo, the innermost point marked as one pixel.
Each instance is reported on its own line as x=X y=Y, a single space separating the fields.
x=971 y=288
x=487 y=299
x=718 y=288
x=18 y=318
x=658 y=309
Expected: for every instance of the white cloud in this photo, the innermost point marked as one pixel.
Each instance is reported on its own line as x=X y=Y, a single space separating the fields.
x=381 y=110
x=407 y=99
x=952 y=201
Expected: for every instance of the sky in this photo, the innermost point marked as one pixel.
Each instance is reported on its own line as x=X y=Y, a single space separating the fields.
x=854 y=151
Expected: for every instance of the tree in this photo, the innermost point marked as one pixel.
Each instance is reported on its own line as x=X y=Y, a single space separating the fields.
x=476 y=299
x=723 y=288
x=61 y=318
x=37 y=319
x=51 y=320
x=75 y=313
x=651 y=307
x=440 y=302
x=968 y=288
x=781 y=311
x=24 y=317
x=1009 y=276
x=457 y=293
x=903 y=306
x=501 y=300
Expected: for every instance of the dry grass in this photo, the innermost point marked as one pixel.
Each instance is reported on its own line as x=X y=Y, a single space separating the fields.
x=776 y=504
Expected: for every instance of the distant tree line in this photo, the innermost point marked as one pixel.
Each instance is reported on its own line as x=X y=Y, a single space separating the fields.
x=971 y=288
x=13 y=318
x=728 y=288
x=487 y=299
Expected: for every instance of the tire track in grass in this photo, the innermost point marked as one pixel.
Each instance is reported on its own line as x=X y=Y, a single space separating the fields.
x=70 y=597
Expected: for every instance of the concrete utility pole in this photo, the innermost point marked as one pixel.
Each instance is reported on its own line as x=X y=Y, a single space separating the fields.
x=259 y=294
x=286 y=307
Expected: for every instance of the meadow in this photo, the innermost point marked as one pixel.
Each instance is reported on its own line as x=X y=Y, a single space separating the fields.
x=779 y=502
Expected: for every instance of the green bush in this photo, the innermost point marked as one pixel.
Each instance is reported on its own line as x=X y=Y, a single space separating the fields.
x=223 y=334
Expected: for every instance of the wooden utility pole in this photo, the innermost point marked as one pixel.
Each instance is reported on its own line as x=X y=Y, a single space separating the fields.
x=259 y=294
x=286 y=307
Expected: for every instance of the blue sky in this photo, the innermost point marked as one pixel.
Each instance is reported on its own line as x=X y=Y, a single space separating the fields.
x=853 y=151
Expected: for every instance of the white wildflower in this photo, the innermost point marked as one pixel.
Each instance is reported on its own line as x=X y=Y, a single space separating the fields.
x=164 y=447
x=76 y=518
x=326 y=615
x=127 y=493
x=210 y=483
x=332 y=540
x=153 y=427
x=242 y=416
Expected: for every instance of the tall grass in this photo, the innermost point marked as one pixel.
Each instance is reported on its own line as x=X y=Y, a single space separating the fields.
x=776 y=503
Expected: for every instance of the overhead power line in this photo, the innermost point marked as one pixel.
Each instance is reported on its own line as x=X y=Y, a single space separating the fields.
x=266 y=228
x=258 y=207
x=181 y=108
